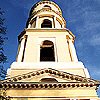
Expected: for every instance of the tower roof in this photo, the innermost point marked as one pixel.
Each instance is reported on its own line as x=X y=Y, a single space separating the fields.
x=46 y=8
x=45 y=2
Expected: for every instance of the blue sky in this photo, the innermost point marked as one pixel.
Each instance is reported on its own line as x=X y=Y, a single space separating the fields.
x=82 y=18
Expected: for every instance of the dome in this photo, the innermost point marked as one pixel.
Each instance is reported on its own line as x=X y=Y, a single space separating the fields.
x=45 y=14
x=43 y=4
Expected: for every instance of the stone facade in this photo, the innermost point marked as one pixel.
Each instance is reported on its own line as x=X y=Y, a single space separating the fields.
x=47 y=67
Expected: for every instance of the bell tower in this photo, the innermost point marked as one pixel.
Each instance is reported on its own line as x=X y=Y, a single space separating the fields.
x=47 y=66
x=46 y=43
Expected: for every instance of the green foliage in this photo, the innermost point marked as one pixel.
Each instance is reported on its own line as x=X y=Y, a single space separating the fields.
x=3 y=58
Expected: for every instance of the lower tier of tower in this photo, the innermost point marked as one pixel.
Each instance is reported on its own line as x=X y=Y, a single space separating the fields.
x=49 y=81
x=76 y=68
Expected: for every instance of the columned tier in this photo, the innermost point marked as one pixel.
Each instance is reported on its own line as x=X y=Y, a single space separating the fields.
x=36 y=45
x=46 y=14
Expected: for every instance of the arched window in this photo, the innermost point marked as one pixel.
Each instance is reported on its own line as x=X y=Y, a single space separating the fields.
x=47 y=51
x=49 y=80
x=46 y=24
x=46 y=6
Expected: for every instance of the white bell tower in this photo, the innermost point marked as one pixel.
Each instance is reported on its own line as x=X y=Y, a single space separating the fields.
x=46 y=43
x=46 y=66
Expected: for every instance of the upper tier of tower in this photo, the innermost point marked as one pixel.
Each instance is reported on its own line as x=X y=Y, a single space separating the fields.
x=46 y=14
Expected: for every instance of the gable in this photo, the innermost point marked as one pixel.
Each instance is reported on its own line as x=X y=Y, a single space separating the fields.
x=38 y=78
x=60 y=76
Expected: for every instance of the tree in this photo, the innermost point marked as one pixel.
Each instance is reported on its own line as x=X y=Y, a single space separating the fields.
x=3 y=58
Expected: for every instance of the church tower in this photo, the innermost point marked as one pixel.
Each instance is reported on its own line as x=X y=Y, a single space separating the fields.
x=46 y=43
x=47 y=67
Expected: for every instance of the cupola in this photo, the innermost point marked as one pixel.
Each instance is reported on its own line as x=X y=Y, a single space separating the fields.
x=46 y=14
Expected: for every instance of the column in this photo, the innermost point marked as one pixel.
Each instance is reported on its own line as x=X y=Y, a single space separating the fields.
x=29 y=26
x=37 y=18
x=72 y=51
x=20 y=52
x=54 y=21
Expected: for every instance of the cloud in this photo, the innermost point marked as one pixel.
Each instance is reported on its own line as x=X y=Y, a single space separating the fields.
x=95 y=40
x=93 y=71
x=19 y=4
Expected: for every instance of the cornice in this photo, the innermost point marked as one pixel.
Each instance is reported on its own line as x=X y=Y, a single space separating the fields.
x=45 y=30
x=45 y=9
x=49 y=2
x=33 y=85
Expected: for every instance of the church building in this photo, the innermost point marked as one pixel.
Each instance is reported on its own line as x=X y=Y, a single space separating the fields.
x=47 y=66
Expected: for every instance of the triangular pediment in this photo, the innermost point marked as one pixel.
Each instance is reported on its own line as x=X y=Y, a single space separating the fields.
x=49 y=73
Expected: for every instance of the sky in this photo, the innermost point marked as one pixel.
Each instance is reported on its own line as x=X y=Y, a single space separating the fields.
x=82 y=18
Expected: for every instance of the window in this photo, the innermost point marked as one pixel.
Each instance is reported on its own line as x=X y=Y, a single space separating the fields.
x=49 y=80
x=46 y=24
x=47 y=51
x=46 y=6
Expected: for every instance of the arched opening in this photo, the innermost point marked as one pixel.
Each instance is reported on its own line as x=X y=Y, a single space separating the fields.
x=46 y=24
x=48 y=80
x=47 y=51
x=46 y=6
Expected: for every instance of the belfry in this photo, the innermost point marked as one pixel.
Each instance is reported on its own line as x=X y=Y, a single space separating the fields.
x=46 y=66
